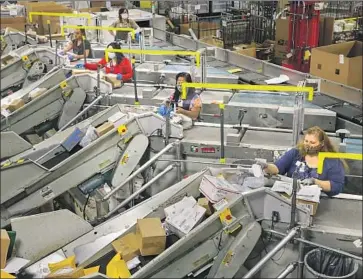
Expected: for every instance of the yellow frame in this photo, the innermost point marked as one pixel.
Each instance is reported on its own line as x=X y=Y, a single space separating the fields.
x=81 y=15
x=108 y=28
x=333 y=155
x=156 y=52
x=280 y=88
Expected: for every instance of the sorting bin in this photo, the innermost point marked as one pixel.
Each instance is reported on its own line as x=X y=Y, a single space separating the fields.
x=321 y=263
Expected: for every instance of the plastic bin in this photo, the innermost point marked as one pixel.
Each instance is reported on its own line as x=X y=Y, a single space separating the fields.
x=325 y=264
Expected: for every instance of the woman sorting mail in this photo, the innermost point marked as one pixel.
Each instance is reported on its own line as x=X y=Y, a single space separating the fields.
x=303 y=160
x=80 y=47
x=117 y=64
x=124 y=21
x=189 y=107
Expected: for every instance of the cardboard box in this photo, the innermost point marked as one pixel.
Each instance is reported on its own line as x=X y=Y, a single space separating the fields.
x=151 y=236
x=251 y=51
x=127 y=246
x=90 y=10
x=326 y=30
x=313 y=206
x=113 y=80
x=341 y=63
x=203 y=202
x=182 y=223
x=16 y=104
x=17 y=23
x=67 y=273
x=42 y=20
x=104 y=128
x=95 y=4
x=201 y=29
x=5 y=243
x=80 y=71
x=281 y=38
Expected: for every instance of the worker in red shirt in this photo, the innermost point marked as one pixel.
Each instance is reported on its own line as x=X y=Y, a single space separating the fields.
x=117 y=64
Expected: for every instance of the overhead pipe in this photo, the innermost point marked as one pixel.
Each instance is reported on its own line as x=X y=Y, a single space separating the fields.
x=270 y=254
x=142 y=189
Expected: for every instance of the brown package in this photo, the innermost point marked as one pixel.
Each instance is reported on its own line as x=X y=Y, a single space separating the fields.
x=127 y=246
x=151 y=236
x=104 y=128
x=5 y=243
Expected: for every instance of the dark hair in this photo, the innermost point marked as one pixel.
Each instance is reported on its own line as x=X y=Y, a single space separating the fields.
x=83 y=31
x=119 y=56
x=121 y=11
x=188 y=78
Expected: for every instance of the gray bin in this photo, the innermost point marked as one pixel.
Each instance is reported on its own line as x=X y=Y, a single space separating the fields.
x=325 y=264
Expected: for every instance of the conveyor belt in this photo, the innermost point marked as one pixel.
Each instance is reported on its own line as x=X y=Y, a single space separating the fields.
x=327 y=216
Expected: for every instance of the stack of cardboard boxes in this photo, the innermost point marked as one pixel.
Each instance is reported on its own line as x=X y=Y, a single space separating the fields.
x=20 y=21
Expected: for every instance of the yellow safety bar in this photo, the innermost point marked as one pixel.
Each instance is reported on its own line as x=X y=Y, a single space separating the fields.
x=309 y=90
x=156 y=52
x=80 y=15
x=335 y=155
x=99 y=28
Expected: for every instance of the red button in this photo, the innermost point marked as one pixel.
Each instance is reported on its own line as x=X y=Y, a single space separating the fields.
x=228 y=217
x=123 y=130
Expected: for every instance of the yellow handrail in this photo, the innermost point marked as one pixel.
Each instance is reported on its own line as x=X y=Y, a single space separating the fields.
x=334 y=155
x=108 y=28
x=280 y=88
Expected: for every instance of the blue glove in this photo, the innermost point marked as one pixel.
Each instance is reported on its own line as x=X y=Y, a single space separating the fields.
x=70 y=57
x=137 y=37
x=164 y=110
x=80 y=66
x=119 y=77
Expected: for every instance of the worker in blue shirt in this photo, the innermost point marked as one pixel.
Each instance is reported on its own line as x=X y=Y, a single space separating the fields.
x=332 y=179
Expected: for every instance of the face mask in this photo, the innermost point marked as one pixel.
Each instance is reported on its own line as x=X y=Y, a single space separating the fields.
x=111 y=55
x=312 y=150
x=179 y=87
x=124 y=16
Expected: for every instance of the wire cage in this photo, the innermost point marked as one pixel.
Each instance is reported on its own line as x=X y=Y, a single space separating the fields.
x=348 y=24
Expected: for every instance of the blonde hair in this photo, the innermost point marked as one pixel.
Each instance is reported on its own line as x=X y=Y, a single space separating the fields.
x=327 y=145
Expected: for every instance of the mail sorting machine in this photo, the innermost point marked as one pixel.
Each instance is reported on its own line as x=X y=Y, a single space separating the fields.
x=214 y=247
x=12 y=40
x=59 y=163
x=24 y=66
x=200 y=143
x=57 y=107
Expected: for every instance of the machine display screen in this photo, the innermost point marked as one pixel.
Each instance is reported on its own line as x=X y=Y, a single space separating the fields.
x=208 y=150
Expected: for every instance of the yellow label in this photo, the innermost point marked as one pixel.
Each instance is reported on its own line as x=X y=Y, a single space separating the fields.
x=137 y=103
x=124 y=159
x=122 y=129
x=259 y=70
x=104 y=164
x=222 y=106
x=228 y=258
x=222 y=160
x=25 y=58
x=63 y=84
x=233 y=71
x=48 y=21
x=20 y=161
x=6 y=164
x=226 y=216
